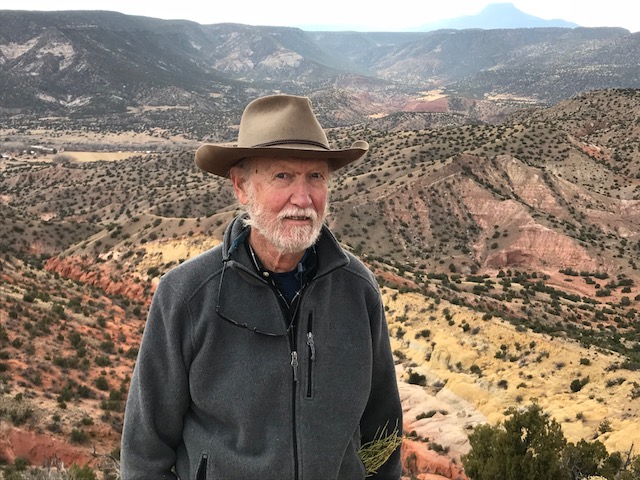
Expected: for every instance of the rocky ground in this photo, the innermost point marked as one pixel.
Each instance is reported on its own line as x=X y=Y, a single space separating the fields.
x=473 y=368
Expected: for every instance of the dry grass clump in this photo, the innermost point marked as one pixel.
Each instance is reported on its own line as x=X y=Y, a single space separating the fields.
x=376 y=452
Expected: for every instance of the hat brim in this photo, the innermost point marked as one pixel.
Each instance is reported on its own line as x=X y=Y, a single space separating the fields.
x=218 y=159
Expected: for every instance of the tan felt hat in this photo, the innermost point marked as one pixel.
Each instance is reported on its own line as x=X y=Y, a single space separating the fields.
x=277 y=126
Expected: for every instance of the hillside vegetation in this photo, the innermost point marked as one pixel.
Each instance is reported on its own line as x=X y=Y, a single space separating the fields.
x=507 y=254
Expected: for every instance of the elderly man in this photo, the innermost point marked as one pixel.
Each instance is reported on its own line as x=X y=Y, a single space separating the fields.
x=268 y=356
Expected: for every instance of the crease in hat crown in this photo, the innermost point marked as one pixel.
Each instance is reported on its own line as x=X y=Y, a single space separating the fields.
x=279 y=119
x=277 y=126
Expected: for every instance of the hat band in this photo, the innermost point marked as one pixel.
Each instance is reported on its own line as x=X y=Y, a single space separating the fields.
x=292 y=142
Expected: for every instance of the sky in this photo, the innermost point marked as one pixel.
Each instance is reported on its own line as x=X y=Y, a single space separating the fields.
x=358 y=15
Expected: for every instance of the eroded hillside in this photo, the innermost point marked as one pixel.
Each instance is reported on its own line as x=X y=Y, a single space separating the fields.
x=507 y=255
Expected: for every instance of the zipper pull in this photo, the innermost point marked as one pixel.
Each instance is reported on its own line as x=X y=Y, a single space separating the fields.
x=294 y=365
x=312 y=345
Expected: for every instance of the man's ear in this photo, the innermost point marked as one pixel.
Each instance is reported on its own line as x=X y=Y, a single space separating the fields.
x=239 y=185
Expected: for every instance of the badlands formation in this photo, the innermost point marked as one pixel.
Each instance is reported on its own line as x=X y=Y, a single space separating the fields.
x=458 y=368
x=473 y=367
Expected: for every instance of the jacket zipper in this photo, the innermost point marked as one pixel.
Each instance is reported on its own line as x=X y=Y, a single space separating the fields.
x=312 y=355
x=294 y=362
x=294 y=366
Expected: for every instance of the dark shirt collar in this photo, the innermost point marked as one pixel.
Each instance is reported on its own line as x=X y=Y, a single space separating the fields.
x=287 y=283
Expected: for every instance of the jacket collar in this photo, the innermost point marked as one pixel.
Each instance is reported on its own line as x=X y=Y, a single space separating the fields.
x=242 y=297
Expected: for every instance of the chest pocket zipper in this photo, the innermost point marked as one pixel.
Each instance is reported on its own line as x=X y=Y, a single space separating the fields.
x=201 y=474
x=312 y=356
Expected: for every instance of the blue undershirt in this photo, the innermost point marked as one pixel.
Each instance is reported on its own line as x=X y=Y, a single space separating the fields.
x=288 y=283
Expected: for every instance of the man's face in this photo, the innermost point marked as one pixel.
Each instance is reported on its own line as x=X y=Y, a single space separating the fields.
x=286 y=200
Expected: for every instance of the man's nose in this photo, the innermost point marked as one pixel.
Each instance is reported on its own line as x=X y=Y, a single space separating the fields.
x=301 y=195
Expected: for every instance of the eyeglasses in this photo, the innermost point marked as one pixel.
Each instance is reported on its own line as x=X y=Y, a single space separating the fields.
x=270 y=328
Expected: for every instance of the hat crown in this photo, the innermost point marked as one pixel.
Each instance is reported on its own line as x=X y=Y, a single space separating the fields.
x=277 y=126
x=281 y=120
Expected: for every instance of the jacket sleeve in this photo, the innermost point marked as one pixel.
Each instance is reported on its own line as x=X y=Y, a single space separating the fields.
x=383 y=408
x=159 y=394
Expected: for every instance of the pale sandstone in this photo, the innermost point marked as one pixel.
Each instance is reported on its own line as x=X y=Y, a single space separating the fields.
x=541 y=370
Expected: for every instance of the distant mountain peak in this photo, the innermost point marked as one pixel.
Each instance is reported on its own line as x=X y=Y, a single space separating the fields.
x=496 y=16
x=500 y=8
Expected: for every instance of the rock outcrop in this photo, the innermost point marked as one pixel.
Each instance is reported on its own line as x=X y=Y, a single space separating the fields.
x=39 y=448
x=100 y=276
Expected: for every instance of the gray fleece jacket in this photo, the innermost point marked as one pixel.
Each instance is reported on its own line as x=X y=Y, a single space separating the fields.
x=222 y=390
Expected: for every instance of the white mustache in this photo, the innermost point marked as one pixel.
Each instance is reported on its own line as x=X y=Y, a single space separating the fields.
x=298 y=213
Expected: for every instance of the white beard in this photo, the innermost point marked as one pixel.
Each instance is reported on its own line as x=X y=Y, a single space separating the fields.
x=285 y=239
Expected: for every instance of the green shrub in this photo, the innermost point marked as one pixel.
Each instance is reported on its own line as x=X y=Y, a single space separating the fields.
x=79 y=436
x=417 y=379
x=21 y=464
x=81 y=473
x=578 y=383
x=102 y=383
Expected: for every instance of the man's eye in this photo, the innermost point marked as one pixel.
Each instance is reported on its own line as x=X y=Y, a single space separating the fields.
x=317 y=175
x=281 y=175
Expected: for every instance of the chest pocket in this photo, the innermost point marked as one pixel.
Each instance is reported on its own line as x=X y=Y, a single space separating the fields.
x=201 y=473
